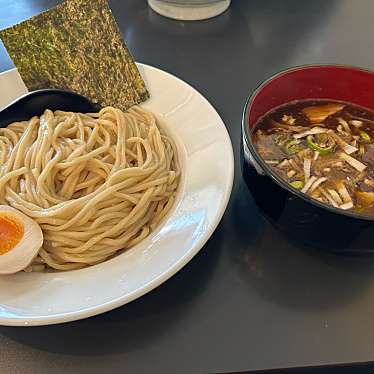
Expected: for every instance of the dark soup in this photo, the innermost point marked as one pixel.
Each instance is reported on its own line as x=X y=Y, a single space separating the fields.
x=325 y=149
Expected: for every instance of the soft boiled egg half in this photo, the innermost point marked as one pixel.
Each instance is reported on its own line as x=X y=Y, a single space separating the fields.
x=20 y=240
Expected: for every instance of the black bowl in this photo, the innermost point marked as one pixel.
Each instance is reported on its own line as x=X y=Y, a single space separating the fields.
x=306 y=223
x=293 y=212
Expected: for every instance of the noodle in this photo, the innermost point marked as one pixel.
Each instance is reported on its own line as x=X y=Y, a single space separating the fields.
x=96 y=183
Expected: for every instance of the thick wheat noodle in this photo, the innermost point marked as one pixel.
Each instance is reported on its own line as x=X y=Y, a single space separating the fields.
x=96 y=183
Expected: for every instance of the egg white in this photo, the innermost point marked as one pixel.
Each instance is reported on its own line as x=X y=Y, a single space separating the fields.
x=19 y=257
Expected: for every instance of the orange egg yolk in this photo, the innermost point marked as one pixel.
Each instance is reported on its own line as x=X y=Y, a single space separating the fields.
x=11 y=232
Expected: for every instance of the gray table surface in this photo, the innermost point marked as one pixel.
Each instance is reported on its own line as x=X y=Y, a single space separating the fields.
x=252 y=299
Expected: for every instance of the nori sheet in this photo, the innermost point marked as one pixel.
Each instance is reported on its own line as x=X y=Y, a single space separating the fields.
x=76 y=46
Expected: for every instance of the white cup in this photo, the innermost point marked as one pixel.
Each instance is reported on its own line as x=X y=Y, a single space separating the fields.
x=189 y=10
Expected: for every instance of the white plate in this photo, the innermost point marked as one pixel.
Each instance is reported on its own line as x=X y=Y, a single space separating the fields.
x=208 y=167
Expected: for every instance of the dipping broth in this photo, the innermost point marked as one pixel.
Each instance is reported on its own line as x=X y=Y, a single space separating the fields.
x=324 y=149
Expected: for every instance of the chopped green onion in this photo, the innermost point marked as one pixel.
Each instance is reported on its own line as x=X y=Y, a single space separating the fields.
x=297 y=184
x=315 y=147
x=292 y=147
x=365 y=136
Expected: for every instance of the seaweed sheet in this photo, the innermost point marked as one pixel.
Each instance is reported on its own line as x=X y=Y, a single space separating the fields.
x=76 y=46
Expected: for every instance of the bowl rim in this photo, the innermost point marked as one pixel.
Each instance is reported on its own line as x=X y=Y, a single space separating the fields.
x=247 y=138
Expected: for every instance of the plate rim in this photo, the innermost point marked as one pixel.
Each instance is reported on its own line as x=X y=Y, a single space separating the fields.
x=91 y=311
